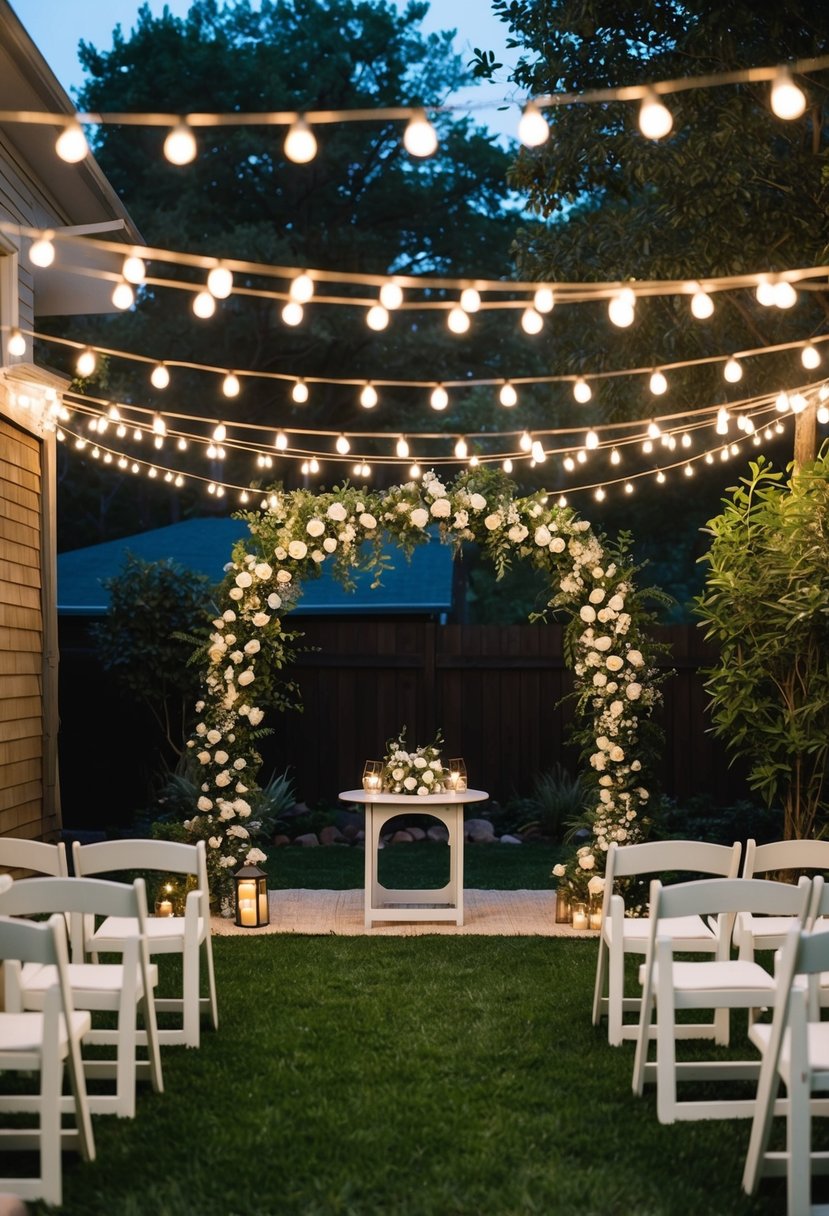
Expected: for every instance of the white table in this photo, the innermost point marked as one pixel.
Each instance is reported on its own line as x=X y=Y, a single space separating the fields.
x=442 y=903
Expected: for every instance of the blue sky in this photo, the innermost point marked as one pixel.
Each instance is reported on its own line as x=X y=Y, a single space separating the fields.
x=57 y=25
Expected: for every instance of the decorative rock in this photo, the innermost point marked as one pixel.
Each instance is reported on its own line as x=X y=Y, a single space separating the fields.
x=331 y=834
x=308 y=840
x=438 y=833
x=479 y=831
x=280 y=841
x=507 y=839
x=352 y=832
x=11 y=1205
x=416 y=833
x=402 y=837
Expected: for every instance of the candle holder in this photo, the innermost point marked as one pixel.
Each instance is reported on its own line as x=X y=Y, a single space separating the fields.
x=252 y=910
x=456 y=774
x=373 y=776
x=579 y=917
x=164 y=905
x=564 y=911
x=594 y=914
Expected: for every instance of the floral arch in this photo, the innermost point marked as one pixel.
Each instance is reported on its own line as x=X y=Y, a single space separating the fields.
x=606 y=640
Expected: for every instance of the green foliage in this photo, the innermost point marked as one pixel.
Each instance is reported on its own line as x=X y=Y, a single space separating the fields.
x=766 y=605
x=154 y=607
x=276 y=797
x=698 y=818
x=558 y=798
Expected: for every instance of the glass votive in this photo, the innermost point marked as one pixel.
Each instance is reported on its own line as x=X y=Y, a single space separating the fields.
x=373 y=776
x=563 y=910
x=579 y=919
x=456 y=774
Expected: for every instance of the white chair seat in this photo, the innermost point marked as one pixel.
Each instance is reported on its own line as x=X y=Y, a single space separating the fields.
x=702 y=977
x=84 y=978
x=24 y=1031
x=766 y=932
x=159 y=929
x=680 y=928
x=817 y=1037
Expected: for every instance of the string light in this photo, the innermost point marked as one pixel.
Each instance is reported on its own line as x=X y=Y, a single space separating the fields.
x=615 y=458
x=764 y=291
x=42 y=251
x=159 y=376
x=458 y=320
x=230 y=385
x=507 y=395
x=313 y=465
x=788 y=101
x=655 y=119
x=591 y=440
x=204 y=305
x=544 y=299
x=86 y=362
x=368 y=396
x=16 y=345
x=533 y=129
x=414 y=472
x=733 y=371
x=628 y=487
x=461 y=449
x=525 y=442
x=538 y=453
x=71 y=144
x=582 y=391
x=292 y=313
x=281 y=441
x=300 y=143
x=180 y=145
x=420 y=138
x=439 y=398
x=219 y=433
x=506 y=465
x=470 y=300
x=810 y=356
x=134 y=269
x=785 y=295
x=654 y=430
x=402 y=448
x=220 y=282
x=600 y=494
x=299 y=392
x=123 y=296
x=377 y=317
x=658 y=384
x=159 y=425
x=702 y=306
x=391 y=296
x=621 y=308
x=342 y=445
x=302 y=288
x=531 y=321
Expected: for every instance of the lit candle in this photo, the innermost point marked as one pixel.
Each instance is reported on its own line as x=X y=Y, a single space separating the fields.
x=247 y=911
x=579 y=918
x=596 y=919
x=165 y=908
x=247 y=890
x=263 y=905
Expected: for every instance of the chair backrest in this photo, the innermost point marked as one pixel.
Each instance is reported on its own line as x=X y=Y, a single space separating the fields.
x=162 y=856
x=785 y=855
x=77 y=898
x=669 y=856
x=34 y=855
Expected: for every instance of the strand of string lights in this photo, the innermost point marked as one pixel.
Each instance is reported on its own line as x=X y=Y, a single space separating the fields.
x=787 y=100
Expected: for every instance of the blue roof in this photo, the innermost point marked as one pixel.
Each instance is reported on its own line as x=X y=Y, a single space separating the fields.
x=420 y=585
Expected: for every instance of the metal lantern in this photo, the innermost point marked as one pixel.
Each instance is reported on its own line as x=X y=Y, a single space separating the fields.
x=373 y=776
x=251 y=897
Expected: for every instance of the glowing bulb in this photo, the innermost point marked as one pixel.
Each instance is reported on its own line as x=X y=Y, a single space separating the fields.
x=402 y=448
x=299 y=392
x=182 y=444
x=733 y=371
x=302 y=288
x=281 y=441
x=798 y=403
x=123 y=296
x=525 y=442
x=71 y=144
x=220 y=282
x=615 y=458
x=810 y=356
x=658 y=384
x=544 y=300
x=292 y=313
x=180 y=145
x=654 y=431
x=16 y=345
x=470 y=300
x=622 y=308
x=85 y=364
x=538 y=453
x=230 y=385
x=134 y=269
x=582 y=390
x=785 y=295
x=458 y=320
x=313 y=465
x=377 y=317
x=569 y=464
x=368 y=396
x=686 y=440
x=600 y=494
x=414 y=472
x=439 y=398
x=787 y=99
x=159 y=425
x=722 y=421
x=823 y=414
x=42 y=252
x=591 y=440
x=533 y=129
x=647 y=447
x=219 y=433
x=660 y=477
x=203 y=305
x=508 y=396
x=581 y=456
x=702 y=306
x=655 y=119
x=342 y=445
x=159 y=376
x=420 y=138
x=689 y=470
x=562 y=501
x=764 y=291
x=391 y=296
x=628 y=487
x=531 y=321
x=300 y=143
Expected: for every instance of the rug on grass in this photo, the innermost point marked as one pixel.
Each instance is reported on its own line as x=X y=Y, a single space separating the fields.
x=506 y=913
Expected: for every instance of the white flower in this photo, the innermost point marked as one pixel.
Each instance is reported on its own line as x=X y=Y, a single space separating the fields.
x=236 y=829
x=201 y=729
x=337 y=512
x=419 y=517
x=221 y=758
x=614 y=663
x=616 y=709
x=246 y=677
x=228 y=615
x=280 y=553
x=255 y=857
x=633 y=691
x=542 y=536
x=227 y=862
x=239 y=763
x=203 y=757
x=215 y=842
x=213 y=736
x=243 y=579
x=616 y=602
x=557 y=545
x=477 y=502
x=315 y=527
x=260 y=619
x=587 y=614
x=596 y=885
x=223 y=778
x=558 y=870
x=274 y=602
x=204 y=804
x=297 y=550
x=398 y=774
x=236 y=656
x=596 y=595
x=227 y=812
x=603 y=643
x=599 y=679
x=410 y=783
x=240 y=787
x=318 y=556
x=329 y=544
x=517 y=533
x=255 y=716
x=635 y=659
x=428 y=777
x=492 y=522
x=419 y=762
x=368 y=521
x=605 y=780
x=588 y=862
x=262 y=570
x=616 y=754
x=284 y=576
x=441 y=508
x=235 y=593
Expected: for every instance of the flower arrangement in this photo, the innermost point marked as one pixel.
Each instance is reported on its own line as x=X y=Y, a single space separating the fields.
x=420 y=771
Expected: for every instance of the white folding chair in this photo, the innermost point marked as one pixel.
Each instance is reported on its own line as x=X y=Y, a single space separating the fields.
x=40 y=1043
x=37 y=856
x=125 y=988
x=754 y=933
x=187 y=935
x=795 y=1050
x=670 y=985
x=622 y=933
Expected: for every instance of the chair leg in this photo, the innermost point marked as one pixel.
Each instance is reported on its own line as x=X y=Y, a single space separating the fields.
x=211 y=982
x=767 y=1090
x=798 y=1145
x=191 y=1008
x=615 y=996
x=49 y=1114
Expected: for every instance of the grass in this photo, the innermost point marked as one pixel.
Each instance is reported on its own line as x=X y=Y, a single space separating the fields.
x=420 y=1076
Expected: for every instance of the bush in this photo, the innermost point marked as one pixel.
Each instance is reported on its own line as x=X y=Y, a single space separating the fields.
x=699 y=818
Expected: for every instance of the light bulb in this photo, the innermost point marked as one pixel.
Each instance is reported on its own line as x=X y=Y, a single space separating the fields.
x=615 y=458
x=180 y=145
x=660 y=477
x=281 y=441
x=203 y=305
x=531 y=321
x=439 y=398
x=621 y=308
x=809 y=356
x=537 y=452
x=377 y=317
x=391 y=296
x=71 y=144
x=798 y=403
x=655 y=119
x=42 y=252
x=525 y=443
x=123 y=296
x=230 y=385
x=368 y=396
x=470 y=300
x=414 y=472
x=785 y=295
x=764 y=291
x=402 y=448
x=159 y=425
x=702 y=306
x=16 y=345
x=582 y=390
x=569 y=464
x=182 y=444
x=689 y=470
x=658 y=383
x=420 y=137
x=654 y=431
x=219 y=433
x=220 y=282
x=787 y=99
x=628 y=487
x=600 y=494
x=543 y=299
x=823 y=414
x=506 y=465
x=461 y=449
x=299 y=392
x=733 y=371
x=292 y=313
x=300 y=143
x=313 y=465
x=134 y=269
x=342 y=445
x=647 y=447
x=159 y=376
x=722 y=421
x=508 y=396
x=591 y=441
x=533 y=129
x=85 y=364
x=458 y=320
x=302 y=288
x=686 y=440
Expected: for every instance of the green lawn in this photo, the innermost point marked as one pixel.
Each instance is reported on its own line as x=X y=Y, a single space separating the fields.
x=421 y=1076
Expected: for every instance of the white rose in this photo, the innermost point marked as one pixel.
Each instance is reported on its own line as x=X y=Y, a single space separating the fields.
x=368 y=521
x=558 y=870
x=201 y=729
x=542 y=536
x=227 y=812
x=237 y=656
x=428 y=777
x=228 y=615
x=246 y=677
x=492 y=522
x=477 y=502
x=236 y=829
x=587 y=614
x=419 y=762
x=517 y=533
x=398 y=774
x=635 y=765
x=255 y=857
x=599 y=679
x=203 y=757
x=441 y=508
x=235 y=593
x=240 y=787
x=616 y=754
x=419 y=517
x=329 y=544
x=223 y=778
x=616 y=602
x=221 y=758
x=596 y=595
x=280 y=553
x=603 y=643
x=557 y=545
x=297 y=549
x=318 y=556
x=588 y=862
x=285 y=576
x=243 y=580
x=616 y=709
x=596 y=885
x=213 y=736
x=337 y=512
x=255 y=716
x=204 y=804
x=635 y=659
x=614 y=663
x=260 y=619
x=633 y=691
x=262 y=570
x=315 y=527
x=274 y=602
x=410 y=783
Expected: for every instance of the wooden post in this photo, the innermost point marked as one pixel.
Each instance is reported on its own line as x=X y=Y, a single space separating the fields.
x=805 y=436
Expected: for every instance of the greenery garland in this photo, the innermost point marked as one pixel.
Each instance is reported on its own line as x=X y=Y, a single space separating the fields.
x=607 y=641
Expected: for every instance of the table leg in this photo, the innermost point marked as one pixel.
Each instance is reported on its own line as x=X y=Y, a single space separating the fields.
x=370 y=864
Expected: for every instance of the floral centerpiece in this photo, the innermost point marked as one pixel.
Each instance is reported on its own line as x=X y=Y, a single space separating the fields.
x=418 y=771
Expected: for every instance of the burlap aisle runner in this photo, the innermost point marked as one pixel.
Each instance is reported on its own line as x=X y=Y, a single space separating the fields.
x=505 y=913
